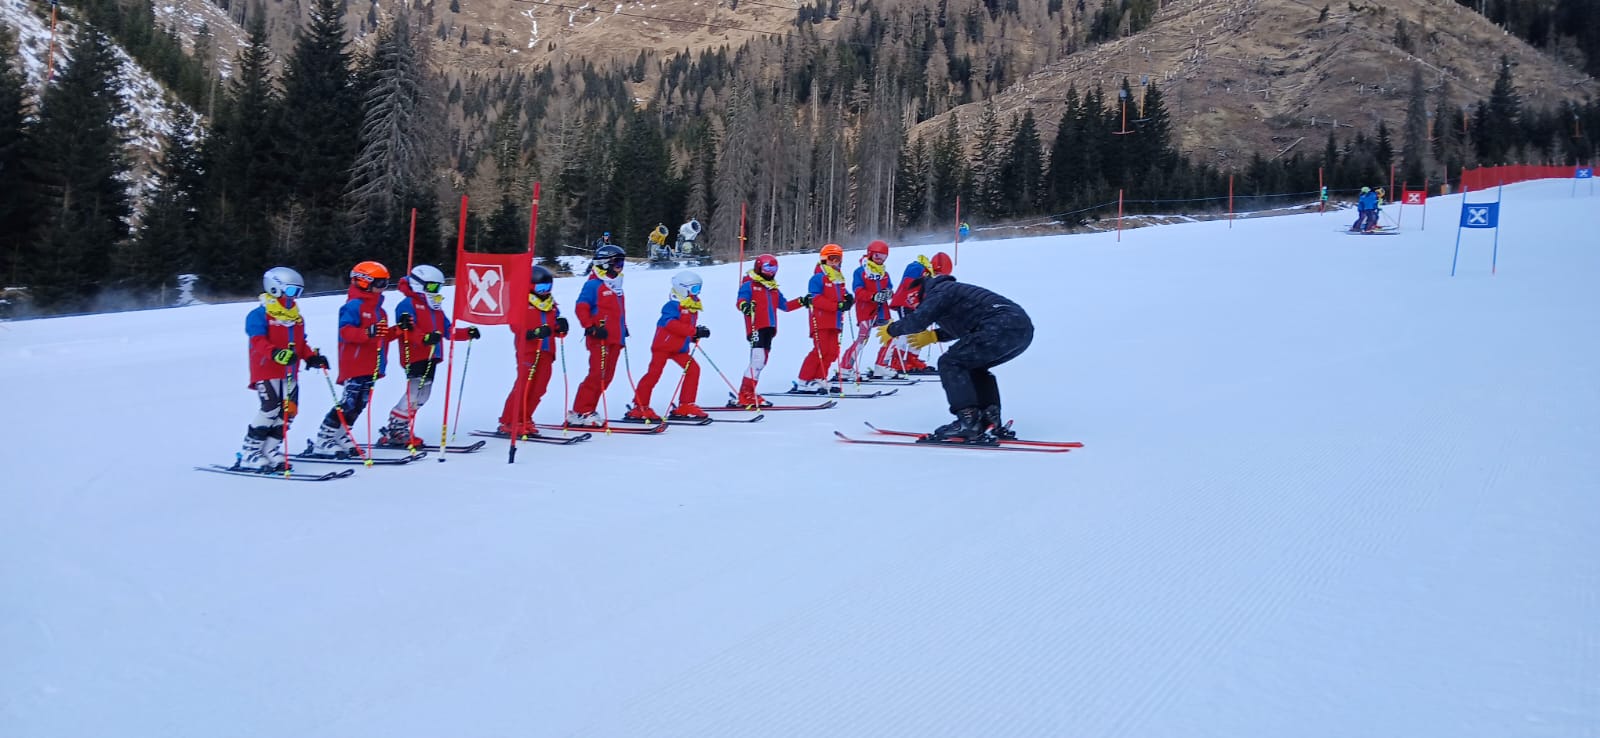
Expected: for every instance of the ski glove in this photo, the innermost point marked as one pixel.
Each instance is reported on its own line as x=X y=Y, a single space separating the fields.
x=316 y=361
x=375 y=330
x=805 y=300
x=747 y=307
x=542 y=331
x=919 y=340
x=561 y=326
x=284 y=357
x=596 y=331
x=882 y=296
x=701 y=331
x=432 y=337
x=846 y=301
x=473 y=333
x=883 y=335
x=403 y=321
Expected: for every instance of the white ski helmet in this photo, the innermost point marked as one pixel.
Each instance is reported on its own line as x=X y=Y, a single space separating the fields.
x=283 y=282
x=685 y=284
x=427 y=281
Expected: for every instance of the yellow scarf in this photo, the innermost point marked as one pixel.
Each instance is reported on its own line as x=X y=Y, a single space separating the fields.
x=874 y=268
x=277 y=312
x=831 y=274
x=927 y=266
x=756 y=277
x=544 y=304
x=690 y=303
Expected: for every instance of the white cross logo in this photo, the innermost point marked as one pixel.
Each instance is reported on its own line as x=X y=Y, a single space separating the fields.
x=486 y=284
x=1413 y=198
x=1477 y=216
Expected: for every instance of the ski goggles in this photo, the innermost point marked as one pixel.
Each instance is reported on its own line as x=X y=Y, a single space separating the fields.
x=542 y=288
x=432 y=288
x=769 y=269
x=292 y=290
x=616 y=262
x=694 y=290
x=373 y=283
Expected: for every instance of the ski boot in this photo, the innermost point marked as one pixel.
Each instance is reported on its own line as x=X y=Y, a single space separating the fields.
x=643 y=414
x=966 y=428
x=809 y=387
x=996 y=425
x=333 y=441
x=687 y=411
x=879 y=371
x=576 y=419
x=519 y=430
x=397 y=434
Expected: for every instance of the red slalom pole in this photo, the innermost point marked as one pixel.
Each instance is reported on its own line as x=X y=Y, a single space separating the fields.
x=411 y=242
x=1119 y=216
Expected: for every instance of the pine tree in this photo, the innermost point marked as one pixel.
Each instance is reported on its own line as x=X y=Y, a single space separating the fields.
x=1155 y=132
x=949 y=171
x=1384 y=149
x=17 y=197
x=401 y=110
x=320 y=137
x=1022 y=168
x=988 y=164
x=1500 y=125
x=81 y=167
x=243 y=180
x=911 y=185
x=639 y=182
x=1414 y=161
x=1065 y=176
x=168 y=236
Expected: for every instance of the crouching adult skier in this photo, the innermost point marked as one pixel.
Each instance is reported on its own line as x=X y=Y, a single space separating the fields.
x=988 y=330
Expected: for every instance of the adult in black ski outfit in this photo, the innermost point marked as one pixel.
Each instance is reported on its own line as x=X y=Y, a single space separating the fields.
x=989 y=330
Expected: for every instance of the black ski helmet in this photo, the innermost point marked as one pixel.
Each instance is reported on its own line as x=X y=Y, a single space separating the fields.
x=542 y=275
x=610 y=258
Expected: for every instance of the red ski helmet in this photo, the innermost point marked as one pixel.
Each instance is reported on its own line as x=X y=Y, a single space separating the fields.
x=942 y=264
x=766 y=265
x=878 y=248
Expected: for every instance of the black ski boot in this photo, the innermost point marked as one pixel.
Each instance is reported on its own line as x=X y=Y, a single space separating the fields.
x=966 y=428
x=997 y=425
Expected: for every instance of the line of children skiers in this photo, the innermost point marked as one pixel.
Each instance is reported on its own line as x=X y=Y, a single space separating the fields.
x=278 y=344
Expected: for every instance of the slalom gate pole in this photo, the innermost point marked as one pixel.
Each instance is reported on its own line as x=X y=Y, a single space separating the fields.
x=1457 y=257
x=444 y=422
x=1494 y=262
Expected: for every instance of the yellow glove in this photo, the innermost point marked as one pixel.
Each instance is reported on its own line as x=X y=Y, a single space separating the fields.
x=918 y=340
x=883 y=335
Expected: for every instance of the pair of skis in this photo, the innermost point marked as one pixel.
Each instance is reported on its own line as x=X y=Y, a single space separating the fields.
x=921 y=439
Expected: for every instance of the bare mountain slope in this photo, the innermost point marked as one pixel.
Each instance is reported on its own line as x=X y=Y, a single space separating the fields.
x=1241 y=76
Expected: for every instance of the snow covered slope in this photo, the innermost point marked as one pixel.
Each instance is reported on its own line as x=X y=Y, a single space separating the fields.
x=1327 y=491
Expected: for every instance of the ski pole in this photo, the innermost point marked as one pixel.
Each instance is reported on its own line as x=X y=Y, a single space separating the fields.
x=566 y=396
x=605 y=408
x=372 y=389
x=522 y=403
x=444 y=421
x=338 y=410
x=461 y=399
x=411 y=409
x=718 y=370
x=283 y=402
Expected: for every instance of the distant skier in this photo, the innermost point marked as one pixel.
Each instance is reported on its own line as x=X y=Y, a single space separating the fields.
x=603 y=241
x=899 y=355
x=688 y=233
x=423 y=329
x=363 y=352
x=827 y=299
x=677 y=332
x=963 y=232
x=988 y=330
x=872 y=287
x=602 y=312
x=278 y=341
x=760 y=300
x=1366 y=211
x=535 y=336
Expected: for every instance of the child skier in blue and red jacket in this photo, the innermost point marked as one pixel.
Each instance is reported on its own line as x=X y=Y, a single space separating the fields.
x=603 y=314
x=898 y=355
x=363 y=338
x=760 y=300
x=827 y=298
x=676 y=333
x=277 y=336
x=536 y=335
x=872 y=288
x=423 y=328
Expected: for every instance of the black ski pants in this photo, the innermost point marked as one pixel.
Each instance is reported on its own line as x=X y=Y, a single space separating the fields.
x=964 y=369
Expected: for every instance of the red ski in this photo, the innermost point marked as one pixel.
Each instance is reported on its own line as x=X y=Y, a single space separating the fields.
x=648 y=430
x=1003 y=442
x=732 y=407
x=953 y=444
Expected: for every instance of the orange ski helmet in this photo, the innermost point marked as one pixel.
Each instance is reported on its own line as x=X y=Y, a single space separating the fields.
x=832 y=251
x=369 y=275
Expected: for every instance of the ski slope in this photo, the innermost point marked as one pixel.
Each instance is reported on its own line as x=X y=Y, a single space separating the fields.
x=1327 y=490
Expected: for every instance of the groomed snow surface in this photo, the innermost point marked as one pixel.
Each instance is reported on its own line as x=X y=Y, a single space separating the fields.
x=1327 y=490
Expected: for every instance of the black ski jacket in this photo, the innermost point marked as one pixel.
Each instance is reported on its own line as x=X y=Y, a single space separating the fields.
x=960 y=310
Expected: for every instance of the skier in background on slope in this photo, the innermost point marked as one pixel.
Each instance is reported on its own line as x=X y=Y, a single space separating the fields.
x=277 y=336
x=963 y=231
x=423 y=327
x=603 y=241
x=363 y=349
x=541 y=326
x=872 y=287
x=760 y=300
x=602 y=312
x=1366 y=211
x=898 y=355
x=827 y=298
x=988 y=330
x=677 y=331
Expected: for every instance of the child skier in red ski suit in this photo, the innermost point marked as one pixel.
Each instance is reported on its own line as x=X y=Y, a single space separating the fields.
x=676 y=334
x=603 y=315
x=536 y=335
x=827 y=298
x=873 y=289
x=760 y=300
x=278 y=342
x=423 y=327
x=898 y=355
x=363 y=351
